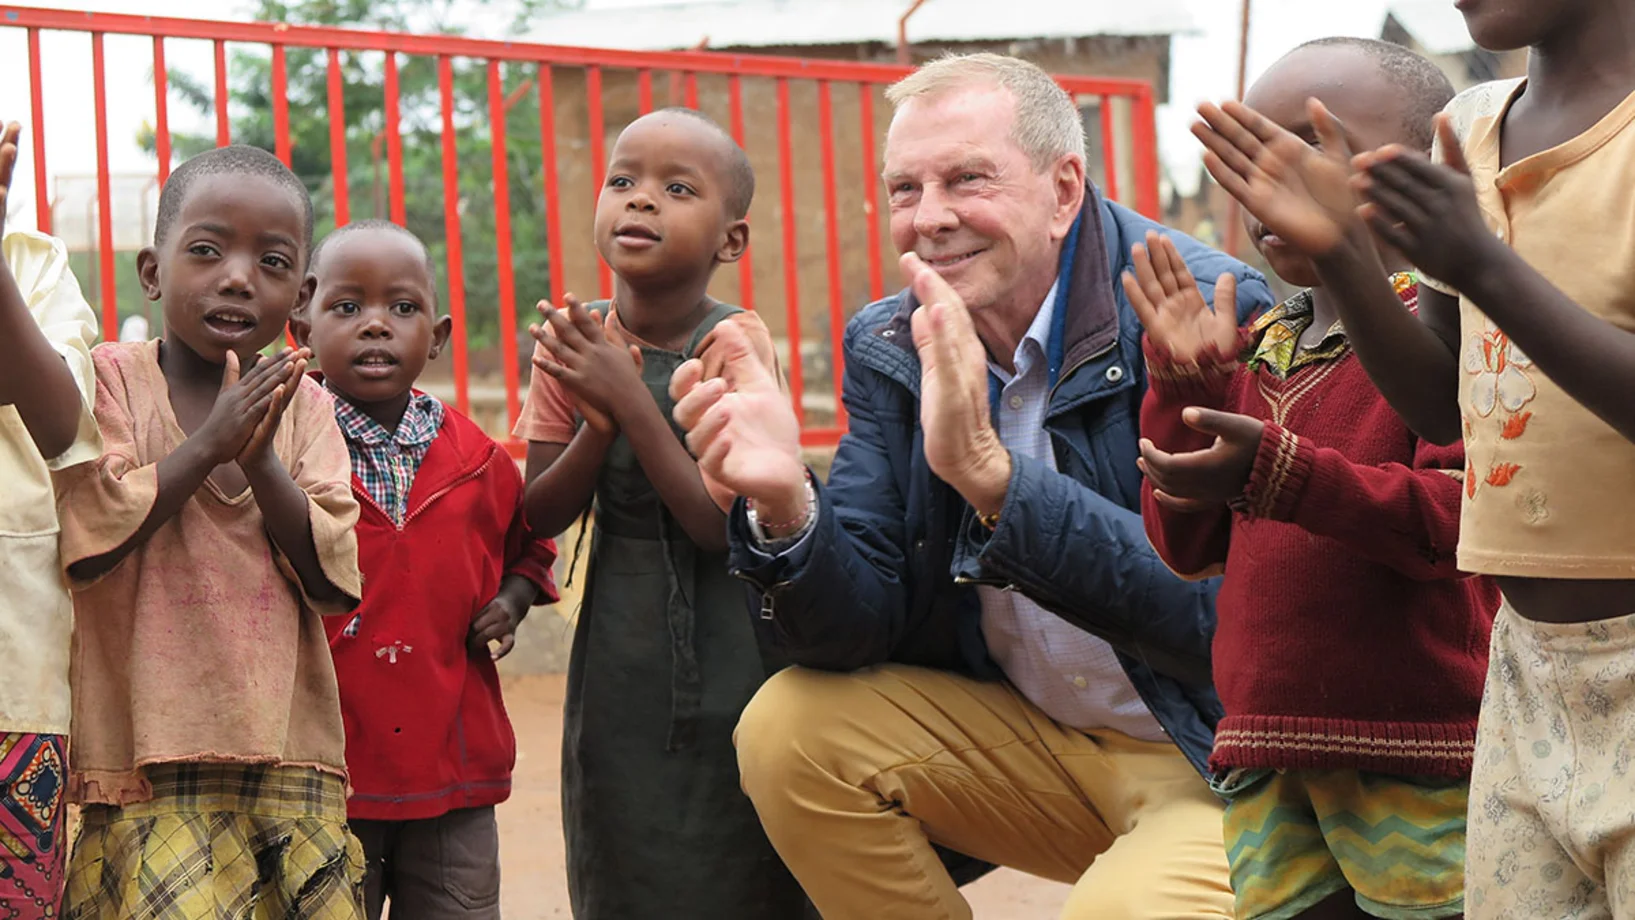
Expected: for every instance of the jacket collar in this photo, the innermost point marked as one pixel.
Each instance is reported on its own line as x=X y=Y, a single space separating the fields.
x=1086 y=321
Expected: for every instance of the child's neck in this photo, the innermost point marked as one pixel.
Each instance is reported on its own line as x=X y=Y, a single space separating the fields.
x=665 y=316
x=1325 y=311
x=1588 y=67
x=388 y=413
x=186 y=370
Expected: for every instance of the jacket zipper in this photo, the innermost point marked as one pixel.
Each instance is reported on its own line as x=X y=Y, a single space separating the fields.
x=458 y=481
x=768 y=593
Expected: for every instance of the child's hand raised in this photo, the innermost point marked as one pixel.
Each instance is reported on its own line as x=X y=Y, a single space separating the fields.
x=601 y=373
x=1202 y=478
x=595 y=419
x=259 y=447
x=242 y=405
x=1172 y=309
x=1429 y=212
x=1300 y=192
x=8 y=166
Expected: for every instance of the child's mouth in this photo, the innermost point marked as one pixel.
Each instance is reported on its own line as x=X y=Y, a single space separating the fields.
x=375 y=365
x=635 y=236
x=230 y=324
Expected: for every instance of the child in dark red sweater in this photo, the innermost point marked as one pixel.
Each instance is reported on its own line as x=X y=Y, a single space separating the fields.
x=1349 y=652
x=449 y=567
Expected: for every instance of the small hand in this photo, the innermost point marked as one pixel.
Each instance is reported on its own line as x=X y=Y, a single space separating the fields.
x=497 y=621
x=961 y=446
x=741 y=427
x=1300 y=192
x=595 y=419
x=241 y=405
x=1427 y=211
x=1171 y=308
x=259 y=447
x=1199 y=479
x=603 y=374
x=8 y=166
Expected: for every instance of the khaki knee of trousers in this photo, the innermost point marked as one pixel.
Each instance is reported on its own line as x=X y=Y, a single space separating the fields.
x=778 y=734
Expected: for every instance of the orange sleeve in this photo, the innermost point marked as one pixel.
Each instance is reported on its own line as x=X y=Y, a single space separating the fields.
x=547 y=416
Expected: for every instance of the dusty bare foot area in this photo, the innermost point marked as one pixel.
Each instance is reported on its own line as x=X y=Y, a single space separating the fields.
x=534 y=885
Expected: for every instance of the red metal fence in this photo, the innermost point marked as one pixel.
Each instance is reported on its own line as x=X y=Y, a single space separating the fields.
x=1137 y=135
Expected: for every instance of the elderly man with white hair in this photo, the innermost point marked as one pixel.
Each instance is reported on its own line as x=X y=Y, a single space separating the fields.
x=990 y=658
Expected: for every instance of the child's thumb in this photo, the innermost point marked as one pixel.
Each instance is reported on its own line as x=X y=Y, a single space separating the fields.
x=1227 y=425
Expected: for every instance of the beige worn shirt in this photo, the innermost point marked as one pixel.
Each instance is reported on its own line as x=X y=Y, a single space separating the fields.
x=200 y=646
x=36 y=613
x=1549 y=486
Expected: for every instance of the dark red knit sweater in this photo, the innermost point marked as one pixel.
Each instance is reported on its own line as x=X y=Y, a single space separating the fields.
x=1346 y=636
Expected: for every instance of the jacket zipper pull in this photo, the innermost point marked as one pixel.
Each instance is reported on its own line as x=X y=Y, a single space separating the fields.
x=768 y=605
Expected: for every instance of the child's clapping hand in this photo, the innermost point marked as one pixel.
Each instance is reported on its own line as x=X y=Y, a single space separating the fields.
x=1299 y=191
x=1199 y=479
x=598 y=369
x=1172 y=309
x=248 y=407
x=1427 y=211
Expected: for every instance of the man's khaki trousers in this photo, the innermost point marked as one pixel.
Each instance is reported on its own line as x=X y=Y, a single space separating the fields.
x=856 y=775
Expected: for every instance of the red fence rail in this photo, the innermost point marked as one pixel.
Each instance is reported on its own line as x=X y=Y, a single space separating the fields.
x=1133 y=142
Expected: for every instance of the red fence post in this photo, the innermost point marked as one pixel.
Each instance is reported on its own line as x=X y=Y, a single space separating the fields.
x=831 y=221
x=224 y=127
x=1145 y=147
x=553 y=212
x=394 y=145
x=791 y=261
x=36 y=92
x=105 y=218
x=746 y=268
x=871 y=188
x=598 y=161
x=1109 y=150
x=281 y=105
x=502 y=241
x=337 y=141
x=451 y=227
x=161 y=110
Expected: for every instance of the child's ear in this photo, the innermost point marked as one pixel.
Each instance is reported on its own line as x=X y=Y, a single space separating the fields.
x=439 y=336
x=147 y=272
x=304 y=297
x=301 y=329
x=734 y=242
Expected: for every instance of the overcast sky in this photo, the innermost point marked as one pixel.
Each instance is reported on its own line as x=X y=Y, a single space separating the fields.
x=1203 y=67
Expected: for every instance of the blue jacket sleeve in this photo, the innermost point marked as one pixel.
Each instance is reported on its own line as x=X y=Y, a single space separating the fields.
x=1087 y=558
x=837 y=600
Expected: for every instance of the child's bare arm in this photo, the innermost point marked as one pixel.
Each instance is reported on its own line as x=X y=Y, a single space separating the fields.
x=562 y=479
x=1430 y=212
x=600 y=370
x=239 y=408
x=33 y=377
x=1303 y=194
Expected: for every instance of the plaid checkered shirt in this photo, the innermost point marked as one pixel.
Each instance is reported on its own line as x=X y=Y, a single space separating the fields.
x=386 y=462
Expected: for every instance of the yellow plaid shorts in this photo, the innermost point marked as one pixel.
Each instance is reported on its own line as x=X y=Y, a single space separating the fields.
x=220 y=840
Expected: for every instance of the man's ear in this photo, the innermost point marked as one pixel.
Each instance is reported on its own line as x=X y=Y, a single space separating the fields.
x=1069 y=183
x=734 y=243
x=439 y=336
x=147 y=272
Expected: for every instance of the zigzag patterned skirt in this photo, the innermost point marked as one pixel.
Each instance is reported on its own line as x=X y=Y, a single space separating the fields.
x=31 y=824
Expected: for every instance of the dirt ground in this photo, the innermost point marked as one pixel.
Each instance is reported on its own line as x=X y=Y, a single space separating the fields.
x=534 y=886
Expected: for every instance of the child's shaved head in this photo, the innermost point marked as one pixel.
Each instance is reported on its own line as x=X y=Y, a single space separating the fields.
x=734 y=165
x=1424 y=88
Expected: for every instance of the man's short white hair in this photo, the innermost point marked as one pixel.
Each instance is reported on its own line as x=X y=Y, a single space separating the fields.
x=1048 y=126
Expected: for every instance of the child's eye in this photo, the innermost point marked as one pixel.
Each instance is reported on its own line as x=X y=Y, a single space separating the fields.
x=201 y=249
x=274 y=260
x=676 y=188
x=619 y=182
x=406 y=307
x=344 y=307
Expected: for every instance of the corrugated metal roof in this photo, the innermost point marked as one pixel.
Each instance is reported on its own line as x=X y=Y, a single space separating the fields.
x=763 y=23
x=1435 y=24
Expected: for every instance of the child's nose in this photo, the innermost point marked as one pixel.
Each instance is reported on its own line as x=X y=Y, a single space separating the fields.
x=641 y=201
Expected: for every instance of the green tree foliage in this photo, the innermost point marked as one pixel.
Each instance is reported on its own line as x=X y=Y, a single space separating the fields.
x=421 y=129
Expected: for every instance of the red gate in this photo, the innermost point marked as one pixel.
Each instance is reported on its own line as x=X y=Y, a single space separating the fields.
x=686 y=67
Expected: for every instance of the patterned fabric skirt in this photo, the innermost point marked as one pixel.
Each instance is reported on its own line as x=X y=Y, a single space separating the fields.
x=220 y=841
x=31 y=824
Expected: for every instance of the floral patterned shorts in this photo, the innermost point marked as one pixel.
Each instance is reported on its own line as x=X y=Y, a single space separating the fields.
x=1552 y=793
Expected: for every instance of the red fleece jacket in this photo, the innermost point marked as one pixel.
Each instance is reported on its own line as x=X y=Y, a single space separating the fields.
x=1346 y=637
x=426 y=729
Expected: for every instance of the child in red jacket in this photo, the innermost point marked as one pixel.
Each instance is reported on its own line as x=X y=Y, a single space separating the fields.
x=1349 y=651
x=450 y=566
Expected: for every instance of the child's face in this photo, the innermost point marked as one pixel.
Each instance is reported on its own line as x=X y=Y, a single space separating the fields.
x=662 y=214
x=232 y=267
x=1356 y=91
x=373 y=324
x=1505 y=25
